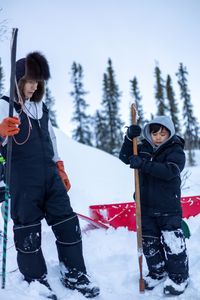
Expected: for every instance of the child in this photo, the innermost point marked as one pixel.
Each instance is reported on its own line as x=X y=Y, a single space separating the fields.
x=39 y=183
x=160 y=161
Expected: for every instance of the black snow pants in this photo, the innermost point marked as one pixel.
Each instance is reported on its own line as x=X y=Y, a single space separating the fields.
x=164 y=247
x=37 y=192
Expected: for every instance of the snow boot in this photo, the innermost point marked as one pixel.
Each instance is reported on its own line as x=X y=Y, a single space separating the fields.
x=43 y=280
x=152 y=280
x=51 y=295
x=80 y=282
x=172 y=288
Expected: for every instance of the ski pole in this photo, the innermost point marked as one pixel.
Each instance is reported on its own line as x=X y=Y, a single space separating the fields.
x=9 y=154
x=138 y=207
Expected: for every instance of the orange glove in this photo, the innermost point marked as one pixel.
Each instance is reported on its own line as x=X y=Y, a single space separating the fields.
x=8 y=127
x=63 y=175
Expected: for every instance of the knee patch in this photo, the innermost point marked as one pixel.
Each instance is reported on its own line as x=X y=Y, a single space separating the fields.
x=27 y=238
x=174 y=241
x=68 y=232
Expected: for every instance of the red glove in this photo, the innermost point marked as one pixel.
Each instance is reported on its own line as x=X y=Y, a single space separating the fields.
x=63 y=175
x=8 y=127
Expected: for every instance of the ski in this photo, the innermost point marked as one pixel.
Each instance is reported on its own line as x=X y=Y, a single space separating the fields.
x=9 y=153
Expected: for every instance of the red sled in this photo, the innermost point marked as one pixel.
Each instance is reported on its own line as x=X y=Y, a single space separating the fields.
x=91 y=223
x=124 y=214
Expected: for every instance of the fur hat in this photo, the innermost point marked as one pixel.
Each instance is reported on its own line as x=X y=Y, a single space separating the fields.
x=34 y=66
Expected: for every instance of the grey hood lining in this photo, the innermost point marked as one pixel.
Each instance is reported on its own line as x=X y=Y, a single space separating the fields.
x=162 y=120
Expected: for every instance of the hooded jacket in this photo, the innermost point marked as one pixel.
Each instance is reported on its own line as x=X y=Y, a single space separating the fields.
x=160 y=179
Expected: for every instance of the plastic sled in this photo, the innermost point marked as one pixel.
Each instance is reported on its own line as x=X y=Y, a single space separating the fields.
x=124 y=214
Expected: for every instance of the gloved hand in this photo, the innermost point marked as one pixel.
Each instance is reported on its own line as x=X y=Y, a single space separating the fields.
x=63 y=175
x=135 y=161
x=8 y=127
x=133 y=131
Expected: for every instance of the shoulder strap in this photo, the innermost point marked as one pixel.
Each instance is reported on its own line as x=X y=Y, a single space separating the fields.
x=44 y=107
x=5 y=98
x=16 y=105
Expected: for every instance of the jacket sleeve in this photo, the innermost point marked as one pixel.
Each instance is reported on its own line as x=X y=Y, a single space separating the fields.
x=54 y=142
x=4 y=112
x=126 y=151
x=172 y=167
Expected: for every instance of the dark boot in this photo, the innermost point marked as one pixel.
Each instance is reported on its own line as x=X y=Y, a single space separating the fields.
x=155 y=259
x=51 y=294
x=172 y=288
x=176 y=262
x=43 y=280
x=152 y=280
x=78 y=281
x=69 y=246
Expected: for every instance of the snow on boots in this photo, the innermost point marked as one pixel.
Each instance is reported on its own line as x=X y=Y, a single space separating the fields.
x=174 y=289
x=79 y=281
x=152 y=280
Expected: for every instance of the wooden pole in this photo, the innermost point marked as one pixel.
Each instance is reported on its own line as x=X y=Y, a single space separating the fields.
x=138 y=207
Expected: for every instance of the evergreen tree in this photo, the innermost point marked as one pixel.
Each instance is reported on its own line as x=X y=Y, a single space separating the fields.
x=173 y=107
x=100 y=130
x=135 y=93
x=1 y=79
x=190 y=122
x=3 y=28
x=50 y=101
x=113 y=134
x=159 y=93
x=82 y=133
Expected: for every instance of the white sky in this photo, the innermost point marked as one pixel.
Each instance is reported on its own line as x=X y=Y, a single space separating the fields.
x=134 y=34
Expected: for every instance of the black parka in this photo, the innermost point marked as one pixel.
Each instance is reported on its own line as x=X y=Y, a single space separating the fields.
x=160 y=179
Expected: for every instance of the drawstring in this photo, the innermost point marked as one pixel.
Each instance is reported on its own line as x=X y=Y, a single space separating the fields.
x=20 y=100
x=29 y=132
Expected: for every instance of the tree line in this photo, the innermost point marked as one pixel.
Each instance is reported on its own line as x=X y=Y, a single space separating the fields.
x=104 y=129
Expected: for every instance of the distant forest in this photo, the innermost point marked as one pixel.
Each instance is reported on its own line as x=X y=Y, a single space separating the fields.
x=104 y=129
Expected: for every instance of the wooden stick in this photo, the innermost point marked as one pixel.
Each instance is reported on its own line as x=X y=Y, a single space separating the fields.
x=138 y=207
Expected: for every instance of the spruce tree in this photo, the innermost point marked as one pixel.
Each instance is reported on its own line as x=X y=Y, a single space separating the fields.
x=100 y=130
x=1 y=80
x=135 y=93
x=82 y=132
x=159 y=93
x=173 y=106
x=190 y=122
x=3 y=28
x=50 y=101
x=110 y=113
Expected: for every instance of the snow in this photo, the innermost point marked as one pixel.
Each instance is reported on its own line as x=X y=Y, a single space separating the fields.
x=110 y=255
x=174 y=242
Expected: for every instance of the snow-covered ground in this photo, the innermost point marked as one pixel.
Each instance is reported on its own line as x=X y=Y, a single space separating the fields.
x=110 y=256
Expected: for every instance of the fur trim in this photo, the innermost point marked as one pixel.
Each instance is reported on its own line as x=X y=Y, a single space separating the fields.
x=37 y=67
x=34 y=66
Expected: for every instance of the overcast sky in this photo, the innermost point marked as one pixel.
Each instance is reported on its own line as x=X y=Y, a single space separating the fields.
x=135 y=34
